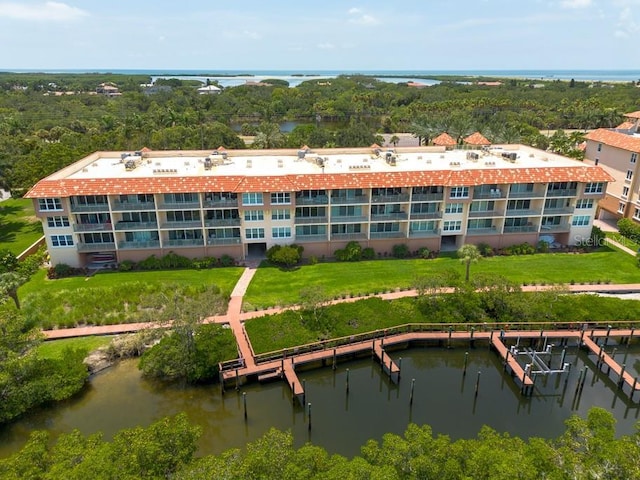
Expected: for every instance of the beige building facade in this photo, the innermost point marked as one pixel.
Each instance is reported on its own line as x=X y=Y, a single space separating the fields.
x=113 y=206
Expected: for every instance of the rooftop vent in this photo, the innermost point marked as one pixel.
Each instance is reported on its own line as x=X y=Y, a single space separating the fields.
x=208 y=163
x=249 y=163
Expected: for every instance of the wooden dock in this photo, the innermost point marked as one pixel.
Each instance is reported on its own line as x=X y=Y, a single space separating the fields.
x=285 y=366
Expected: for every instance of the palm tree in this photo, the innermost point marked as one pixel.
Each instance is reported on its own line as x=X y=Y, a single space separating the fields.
x=9 y=284
x=394 y=139
x=468 y=254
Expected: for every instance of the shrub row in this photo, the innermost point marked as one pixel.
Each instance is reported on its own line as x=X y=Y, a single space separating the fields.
x=353 y=252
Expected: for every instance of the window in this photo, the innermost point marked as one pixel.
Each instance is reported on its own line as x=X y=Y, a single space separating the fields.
x=252 y=199
x=594 y=187
x=629 y=175
x=281 y=232
x=314 y=211
x=599 y=147
x=521 y=188
x=385 y=227
x=254 y=233
x=253 y=215
x=183 y=216
x=303 y=230
x=181 y=198
x=281 y=198
x=634 y=157
x=584 y=203
x=281 y=214
x=61 y=240
x=636 y=213
x=621 y=207
x=97 y=237
x=518 y=204
x=454 y=208
x=89 y=200
x=57 y=222
x=625 y=192
x=346 y=228
x=581 y=220
x=459 y=192
x=141 y=237
x=452 y=226
x=139 y=217
x=45 y=204
x=185 y=234
x=483 y=206
x=479 y=223
x=429 y=226
x=344 y=211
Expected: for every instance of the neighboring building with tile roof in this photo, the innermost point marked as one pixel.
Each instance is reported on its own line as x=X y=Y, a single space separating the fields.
x=112 y=206
x=444 y=140
x=616 y=150
x=476 y=139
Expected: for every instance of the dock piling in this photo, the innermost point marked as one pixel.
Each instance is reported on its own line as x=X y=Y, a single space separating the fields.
x=309 y=405
x=347 y=381
x=334 y=359
x=621 y=380
x=399 y=368
x=466 y=357
x=413 y=384
x=477 y=383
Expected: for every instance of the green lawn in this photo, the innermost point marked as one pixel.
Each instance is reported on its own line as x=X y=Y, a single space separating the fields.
x=120 y=297
x=55 y=348
x=19 y=228
x=624 y=241
x=272 y=286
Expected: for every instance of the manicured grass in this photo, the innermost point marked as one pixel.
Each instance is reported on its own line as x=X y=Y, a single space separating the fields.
x=288 y=330
x=272 y=286
x=113 y=298
x=55 y=348
x=19 y=228
x=624 y=241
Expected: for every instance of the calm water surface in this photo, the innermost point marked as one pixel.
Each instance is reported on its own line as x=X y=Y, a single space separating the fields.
x=443 y=398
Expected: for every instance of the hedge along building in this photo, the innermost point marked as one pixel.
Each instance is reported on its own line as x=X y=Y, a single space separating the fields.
x=113 y=206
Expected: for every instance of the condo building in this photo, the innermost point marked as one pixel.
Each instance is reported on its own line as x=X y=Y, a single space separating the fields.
x=616 y=150
x=115 y=206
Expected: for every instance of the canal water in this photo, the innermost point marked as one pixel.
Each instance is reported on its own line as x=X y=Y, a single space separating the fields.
x=443 y=397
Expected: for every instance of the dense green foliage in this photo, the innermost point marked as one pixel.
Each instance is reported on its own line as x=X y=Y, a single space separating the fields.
x=588 y=449
x=41 y=129
x=28 y=379
x=501 y=303
x=285 y=255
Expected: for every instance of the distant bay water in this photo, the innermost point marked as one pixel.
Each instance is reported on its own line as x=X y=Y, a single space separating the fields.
x=227 y=78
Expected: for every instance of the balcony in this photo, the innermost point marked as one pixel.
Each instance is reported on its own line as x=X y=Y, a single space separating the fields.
x=424 y=233
x=179 y=205
x=95 y=247
x=569 y=192
x=522 y=212
x=224 y=241
x=486 y=213
x=521 y=229
x=221 y=203
x=401 y=197
x=482 y=231
x=427 y=197
x=317 y=200
x=129 y=245
x=184 y=242
x=349 y=218
x=92 y=227
x=561 y=227
x=118 y=206
x=526 y=194
x=180 y=225
x=99 y=207
x=136 y=225
x=559 y=211
x=377 y=217
x=349 y=200
x=398 y=234
x=307 y=220
x=311 y=238
x=222 y=222
x=426 y=216
x=348 y=236
x=492 y=194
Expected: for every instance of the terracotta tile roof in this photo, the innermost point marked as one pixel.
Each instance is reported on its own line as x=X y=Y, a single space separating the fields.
x=476 y=139
x=615 y=139
x=290 y=183
x=626 y=126
x=633 y=114
x=444 y=140
x=145 y=149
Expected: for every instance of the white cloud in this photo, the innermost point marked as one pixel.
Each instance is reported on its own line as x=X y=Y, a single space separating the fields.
x=575 y=3
x=326 y=46
x=626 y=26
x=251 y=35
x=361 y=18
x=48 y=11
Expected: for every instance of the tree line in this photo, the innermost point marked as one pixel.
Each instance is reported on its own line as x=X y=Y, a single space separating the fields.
x=50 y=120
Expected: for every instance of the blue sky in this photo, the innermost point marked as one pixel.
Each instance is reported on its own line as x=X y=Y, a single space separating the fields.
x=320 y=34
